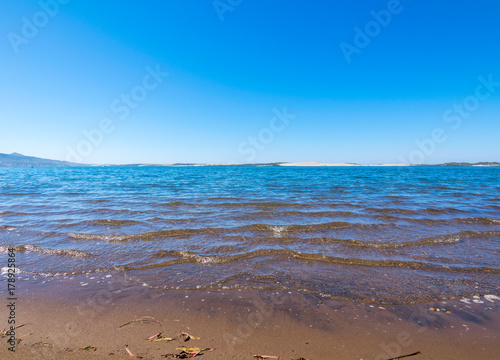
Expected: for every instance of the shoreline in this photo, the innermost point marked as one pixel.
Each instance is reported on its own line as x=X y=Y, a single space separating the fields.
x=64 y=317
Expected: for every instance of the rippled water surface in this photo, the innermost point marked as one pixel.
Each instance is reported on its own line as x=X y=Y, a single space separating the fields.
x=391 y=234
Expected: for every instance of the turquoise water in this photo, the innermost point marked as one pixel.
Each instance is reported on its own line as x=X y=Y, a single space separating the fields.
x=395 y=234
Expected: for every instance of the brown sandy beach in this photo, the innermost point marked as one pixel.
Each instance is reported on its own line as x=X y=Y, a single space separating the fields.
x=63 y=318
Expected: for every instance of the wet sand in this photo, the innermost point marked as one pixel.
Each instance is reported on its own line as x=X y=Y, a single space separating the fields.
x=63 y=317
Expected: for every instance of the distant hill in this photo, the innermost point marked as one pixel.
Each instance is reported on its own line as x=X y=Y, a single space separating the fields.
x=15 y=159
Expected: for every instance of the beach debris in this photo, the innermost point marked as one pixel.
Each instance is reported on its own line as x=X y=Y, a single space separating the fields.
x=403 y=356
x=188 y=352
x=381 y=308
x=42 y=343
x=85 y=348
x=189 y=349
x=131 y=354
x=154 y=336
x=28 y=334
x=163 y=339
x=158 y=337
x=187 y=337
x=88 y=348
x=440 y=310
x=263 y=357
x=3 y=333
x=144 y=320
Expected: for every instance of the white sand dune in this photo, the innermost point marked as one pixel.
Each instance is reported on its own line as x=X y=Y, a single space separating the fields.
x=315 y=163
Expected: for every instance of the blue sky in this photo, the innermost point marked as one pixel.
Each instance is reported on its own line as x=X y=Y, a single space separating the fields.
x=230 y=71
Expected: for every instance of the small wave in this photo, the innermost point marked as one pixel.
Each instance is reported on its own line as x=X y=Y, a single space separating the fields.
x=172 y=204
x=200 y=259
x=300 y=228
x=274 y=229
x=185 y=256
x=11 y=213
x=7 y=228
x=189 y=257
x=102 y=222
x=436 y=221
x=444 y=239
x=278 y=230
x=7 y=270
x=148 y=236
x=319 y=214
x=491 y=298
x=261 y=205
x=115 y=222
x=114 y=211
x=287 y=231
x=389 y=218
x=442 y=211
x=109 y=238
x=33 y=248
x=334 y=225
x=482 y=220
x=391 y=211
x=436 y=240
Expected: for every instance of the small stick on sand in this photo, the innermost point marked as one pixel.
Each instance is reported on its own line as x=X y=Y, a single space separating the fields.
x=265 y=356
x=3 y=333
x=131 y=354
x=403 y=356
x=144 y=319
x=154 y=336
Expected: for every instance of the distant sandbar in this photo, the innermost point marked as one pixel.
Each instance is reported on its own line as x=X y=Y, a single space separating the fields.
x=315 y=163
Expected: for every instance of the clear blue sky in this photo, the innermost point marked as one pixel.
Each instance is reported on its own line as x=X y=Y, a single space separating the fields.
x=226 y=77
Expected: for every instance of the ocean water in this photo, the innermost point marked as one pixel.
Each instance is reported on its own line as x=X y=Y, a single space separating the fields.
x=384 y=234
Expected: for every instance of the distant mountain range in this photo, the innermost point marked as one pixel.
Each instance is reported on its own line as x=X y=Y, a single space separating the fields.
x=18 y=160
